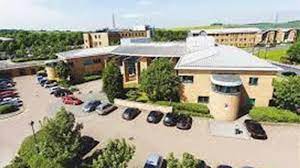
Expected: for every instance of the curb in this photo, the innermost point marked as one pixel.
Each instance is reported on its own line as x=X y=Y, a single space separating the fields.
x=10 y=115
x=281 y=124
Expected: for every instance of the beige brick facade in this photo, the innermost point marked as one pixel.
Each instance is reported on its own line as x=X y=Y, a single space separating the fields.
x=201 y=86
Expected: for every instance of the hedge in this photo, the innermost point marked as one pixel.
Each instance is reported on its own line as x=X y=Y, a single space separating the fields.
x=272 y=114
x=193 y=109
x=4 y=109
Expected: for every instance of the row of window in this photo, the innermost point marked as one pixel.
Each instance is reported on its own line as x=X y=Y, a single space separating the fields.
x=205 y=100
x=136 y=34
x=253 y=81
x=92 y=61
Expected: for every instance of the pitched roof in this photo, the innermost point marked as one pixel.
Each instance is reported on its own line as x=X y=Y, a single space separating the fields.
x=86 y=52
x=224 y=58
x=152 y=50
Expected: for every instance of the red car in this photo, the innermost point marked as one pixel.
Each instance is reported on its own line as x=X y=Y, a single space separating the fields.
x=72 y=100
x=9 y=93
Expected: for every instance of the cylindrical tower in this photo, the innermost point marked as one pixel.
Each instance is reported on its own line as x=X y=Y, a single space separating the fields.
x=225 y=96
x=50 y=70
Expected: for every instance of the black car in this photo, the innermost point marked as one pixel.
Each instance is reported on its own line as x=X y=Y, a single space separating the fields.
x=130 y=113
x=184 y=122
x=154 y=117
x=289 y=73
x=91 y=105
x=62 y=93
x=255 y=129
x=224 y=166
x=170 y=119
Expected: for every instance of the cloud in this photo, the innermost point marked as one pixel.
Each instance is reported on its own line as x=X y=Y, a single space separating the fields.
x=144 y=2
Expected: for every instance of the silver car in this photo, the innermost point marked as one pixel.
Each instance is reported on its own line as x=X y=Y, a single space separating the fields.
x=154 y=161
x=105 y=108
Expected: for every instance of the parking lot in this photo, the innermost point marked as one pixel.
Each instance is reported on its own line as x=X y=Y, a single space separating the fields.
x=282 y=149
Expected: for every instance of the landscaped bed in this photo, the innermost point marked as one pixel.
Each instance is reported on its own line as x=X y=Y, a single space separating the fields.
x=273 y=114
x=5 y=109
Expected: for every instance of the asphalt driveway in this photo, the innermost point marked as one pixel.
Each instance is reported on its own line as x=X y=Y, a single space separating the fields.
x=282 y=149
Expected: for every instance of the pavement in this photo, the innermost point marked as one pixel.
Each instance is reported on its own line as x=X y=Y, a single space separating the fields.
x=282 y=149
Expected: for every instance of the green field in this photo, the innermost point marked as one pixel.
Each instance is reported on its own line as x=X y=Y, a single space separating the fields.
x=273 y=55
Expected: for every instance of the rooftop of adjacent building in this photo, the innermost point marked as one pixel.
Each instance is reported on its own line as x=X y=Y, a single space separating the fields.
x=6 y=39
x=228 y=30
x=7 y=64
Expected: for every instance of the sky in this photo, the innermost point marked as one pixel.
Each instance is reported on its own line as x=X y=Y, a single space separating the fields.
x=95 y=14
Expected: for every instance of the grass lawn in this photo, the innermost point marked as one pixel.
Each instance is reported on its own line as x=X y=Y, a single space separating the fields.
x=273 y=55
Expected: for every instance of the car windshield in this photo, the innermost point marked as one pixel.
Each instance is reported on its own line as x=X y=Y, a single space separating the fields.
x=149 y=166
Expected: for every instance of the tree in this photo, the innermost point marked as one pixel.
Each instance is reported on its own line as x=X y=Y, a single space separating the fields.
x=287 y=92
x=116 y=154
x=293 y=53
x=54 y=146
x=63 y=70
x=112 y=81
x=160 y=81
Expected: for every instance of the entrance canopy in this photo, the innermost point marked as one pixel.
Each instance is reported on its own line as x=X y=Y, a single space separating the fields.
x=228 y=80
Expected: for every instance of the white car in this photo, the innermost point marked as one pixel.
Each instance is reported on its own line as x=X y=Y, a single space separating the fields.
x=53 y=89
x=13 y=101
x=50 y=85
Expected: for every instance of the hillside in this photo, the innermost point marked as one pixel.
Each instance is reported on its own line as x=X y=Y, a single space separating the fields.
x=266 y=25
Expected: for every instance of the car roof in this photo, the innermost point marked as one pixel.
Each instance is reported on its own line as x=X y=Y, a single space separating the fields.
x=153 y=159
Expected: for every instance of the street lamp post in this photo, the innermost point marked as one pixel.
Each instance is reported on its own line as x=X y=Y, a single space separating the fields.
x=34 y=136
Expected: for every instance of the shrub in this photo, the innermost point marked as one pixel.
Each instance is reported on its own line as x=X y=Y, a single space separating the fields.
x=193 y=109
x=272 y=114
x=116 y=154
x=4 y=109
x=88 y=78
x=132 y=94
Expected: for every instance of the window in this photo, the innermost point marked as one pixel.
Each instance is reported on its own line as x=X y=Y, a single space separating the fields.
x=253 y=81
x=88 y=62
x=251 y=101
x=203 y=99
x=187 y=79
x=97 y=61
x=226 y=89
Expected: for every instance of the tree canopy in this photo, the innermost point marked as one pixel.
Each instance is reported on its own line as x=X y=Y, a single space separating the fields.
x=63 y=70
x=116 y=155
x=187 y=161
x=54 y=146
x=38 y=45
x=169 y=35
x=293 y=53
x=287 y=92
x=113 y=81
x=160 y=81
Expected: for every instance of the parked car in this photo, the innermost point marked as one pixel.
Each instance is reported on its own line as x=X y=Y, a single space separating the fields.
x=184 y=122
x=47 y=83
x=255 y=129
x=7 y=83
x=71 y=100
x=5 y=94
x=105 y=108
x=43 y=81
x=170 y=119
x=224 y=166
x=53 y=89
x=15 y=101
x=154 y=117
x=50 y=84
x=154 y=161
x=289 y=73
x=130 y=113
x=91 y=105
x=62 y=93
